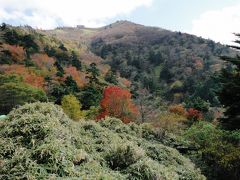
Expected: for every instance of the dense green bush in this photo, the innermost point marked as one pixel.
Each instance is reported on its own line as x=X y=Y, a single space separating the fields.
x=219 y=151
x=120 y=156
x=203 y=134
x=148 y=169
x=38 y=141
x=14 y=93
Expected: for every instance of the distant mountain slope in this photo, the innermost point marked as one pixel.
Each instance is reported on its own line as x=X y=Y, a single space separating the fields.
x=172 y=64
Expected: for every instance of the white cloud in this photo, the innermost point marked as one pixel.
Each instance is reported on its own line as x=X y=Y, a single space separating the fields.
x=51 y=13
x=218 y=25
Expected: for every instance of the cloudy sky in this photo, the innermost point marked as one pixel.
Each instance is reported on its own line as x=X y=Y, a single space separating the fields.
x=214 y=19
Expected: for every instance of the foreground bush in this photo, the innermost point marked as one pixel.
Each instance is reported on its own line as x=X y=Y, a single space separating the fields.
x=121 y=156
x=38 y=141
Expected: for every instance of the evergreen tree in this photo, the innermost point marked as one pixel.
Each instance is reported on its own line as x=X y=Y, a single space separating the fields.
x=111 y=77
x=3 y=26
x=229 y=95
x=93 y=73
x=29 y=44
x=75 y=61
x=60 y=69
x=11 y=37
x=71 y=85
x=62 y=47
x=90 y=96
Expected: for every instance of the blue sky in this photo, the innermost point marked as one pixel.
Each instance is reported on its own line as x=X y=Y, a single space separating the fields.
x=175 y=14
x=214 y=19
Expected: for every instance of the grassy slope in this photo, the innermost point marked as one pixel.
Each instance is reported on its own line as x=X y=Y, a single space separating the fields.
x=39 y=141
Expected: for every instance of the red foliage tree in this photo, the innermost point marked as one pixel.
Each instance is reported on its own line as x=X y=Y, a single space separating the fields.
x=117 y=103
x=193 y=114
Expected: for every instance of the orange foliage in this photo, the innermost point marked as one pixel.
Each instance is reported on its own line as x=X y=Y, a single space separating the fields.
x=17 y=52
x=34 y=80
x=177 y=109
x=43 y=61
x=193 y=114
x=117 y=103
x=126 y=82
x=29 y=76
x=88 y=58
x=78 y=76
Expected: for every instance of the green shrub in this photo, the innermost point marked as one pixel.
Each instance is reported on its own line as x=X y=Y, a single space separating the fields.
x=14 y=94
x=203 y=134
x=38 y=141
x=147 y=169
x=219 y=152
x=72 y=107
x=121 y=156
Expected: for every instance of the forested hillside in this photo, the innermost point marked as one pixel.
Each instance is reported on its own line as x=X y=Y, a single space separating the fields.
x=174 y=65
x=124 y=101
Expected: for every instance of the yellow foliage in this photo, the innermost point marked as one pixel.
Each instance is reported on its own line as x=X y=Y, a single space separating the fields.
x=170 y=122
x=72 y=107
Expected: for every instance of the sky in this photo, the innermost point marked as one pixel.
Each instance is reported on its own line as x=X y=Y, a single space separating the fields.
x=213 y=19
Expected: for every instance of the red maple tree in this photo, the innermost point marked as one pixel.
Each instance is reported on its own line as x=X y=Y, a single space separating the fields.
x=117 y=103
x=194 y=114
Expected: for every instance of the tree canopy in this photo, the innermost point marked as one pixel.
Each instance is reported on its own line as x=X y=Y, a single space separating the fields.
x=229 y=95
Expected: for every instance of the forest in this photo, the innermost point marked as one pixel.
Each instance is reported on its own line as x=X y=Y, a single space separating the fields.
x=125 y=101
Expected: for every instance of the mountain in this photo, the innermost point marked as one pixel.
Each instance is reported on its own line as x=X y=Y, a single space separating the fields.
x=174 y=65
x=162 y=84
x=169 y=64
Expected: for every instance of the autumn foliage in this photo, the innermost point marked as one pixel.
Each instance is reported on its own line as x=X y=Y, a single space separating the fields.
x=17 y=52
x=117 y=103
x=78 y=76
x=193 y=114
x=177 y=109
x=43 y=61
x=28 y=74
